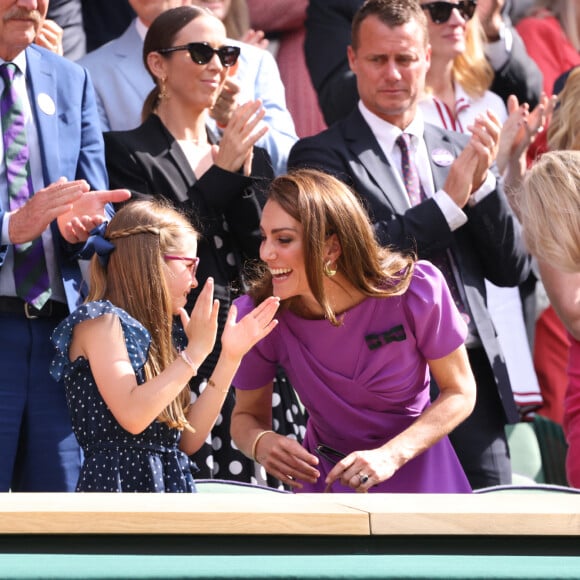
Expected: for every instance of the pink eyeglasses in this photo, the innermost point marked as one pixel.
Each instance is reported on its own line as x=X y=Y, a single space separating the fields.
x=193 y=262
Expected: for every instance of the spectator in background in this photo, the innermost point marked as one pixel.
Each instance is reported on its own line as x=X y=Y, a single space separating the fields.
x=328 y=35
x=551 y=33
x=52 y=152
x=284 y=22
x=105 y=20
x=552 y=343
x=437 y=193
x=122 y=83
x=457 y=92
x=256 y=77
x=550 y=212
x=68 y=15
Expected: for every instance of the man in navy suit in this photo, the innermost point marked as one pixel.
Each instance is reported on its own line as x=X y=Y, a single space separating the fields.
x=462 y=218
x=66 y=169
x=328 y=24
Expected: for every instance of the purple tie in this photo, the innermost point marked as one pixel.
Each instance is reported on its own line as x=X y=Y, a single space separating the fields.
x=416 y=196
x=410 y=174
x=30 y=272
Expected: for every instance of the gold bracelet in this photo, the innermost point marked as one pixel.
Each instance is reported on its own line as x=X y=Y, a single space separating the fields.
x=187 y=360
x=256 y=441
x=214 y=386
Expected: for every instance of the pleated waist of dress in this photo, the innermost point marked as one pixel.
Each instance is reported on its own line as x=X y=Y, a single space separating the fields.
x=95 y=448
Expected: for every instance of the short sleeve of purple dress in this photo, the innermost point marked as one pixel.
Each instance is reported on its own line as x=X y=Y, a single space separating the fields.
x=366 y=381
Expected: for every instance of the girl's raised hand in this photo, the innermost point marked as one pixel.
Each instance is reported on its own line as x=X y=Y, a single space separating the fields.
x=201 y=327
x=239 y=337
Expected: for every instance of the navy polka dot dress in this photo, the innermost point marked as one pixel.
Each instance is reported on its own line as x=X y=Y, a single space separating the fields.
x=115 y=460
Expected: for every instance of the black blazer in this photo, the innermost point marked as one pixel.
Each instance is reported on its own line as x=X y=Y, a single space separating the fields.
x=150 y=163
x=489 y=245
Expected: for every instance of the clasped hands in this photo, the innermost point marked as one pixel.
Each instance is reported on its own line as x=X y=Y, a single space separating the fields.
x=76 y=208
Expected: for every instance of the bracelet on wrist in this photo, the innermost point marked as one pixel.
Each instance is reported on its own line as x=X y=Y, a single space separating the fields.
x=187 y=360
x=256 y=441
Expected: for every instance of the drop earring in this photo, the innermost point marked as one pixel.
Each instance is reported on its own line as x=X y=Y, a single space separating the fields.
x=328 y=269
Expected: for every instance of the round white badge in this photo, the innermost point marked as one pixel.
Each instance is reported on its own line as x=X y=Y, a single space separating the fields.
x=442 y=157
x=46 y=104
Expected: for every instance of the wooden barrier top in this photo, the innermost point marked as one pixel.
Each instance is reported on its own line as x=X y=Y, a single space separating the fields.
x=202 y=513
x=302 y=514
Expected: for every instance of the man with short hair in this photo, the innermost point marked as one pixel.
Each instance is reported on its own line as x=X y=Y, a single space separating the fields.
x=52 y=154
x=433 y=192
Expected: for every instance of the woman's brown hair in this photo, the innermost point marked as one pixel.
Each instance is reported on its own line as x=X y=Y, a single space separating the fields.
x=324 y=206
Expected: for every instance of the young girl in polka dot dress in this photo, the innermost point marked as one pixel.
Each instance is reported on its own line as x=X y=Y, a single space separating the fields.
x=126 y=384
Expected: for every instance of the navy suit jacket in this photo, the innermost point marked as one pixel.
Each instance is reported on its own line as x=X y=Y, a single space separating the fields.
x=488 y=246
x=71 y=143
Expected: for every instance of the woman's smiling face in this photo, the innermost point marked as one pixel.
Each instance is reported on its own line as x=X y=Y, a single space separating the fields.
x=282 y=250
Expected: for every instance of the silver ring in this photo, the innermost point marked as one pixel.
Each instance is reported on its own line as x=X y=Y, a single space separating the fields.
x=363 y=478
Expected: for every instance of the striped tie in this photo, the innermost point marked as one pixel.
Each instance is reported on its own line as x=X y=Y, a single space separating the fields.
x=30 y=272
x=416 y=195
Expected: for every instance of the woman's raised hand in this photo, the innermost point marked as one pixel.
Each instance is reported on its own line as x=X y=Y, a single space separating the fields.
x=239 y=337
x=241 y=134
x=201 y=327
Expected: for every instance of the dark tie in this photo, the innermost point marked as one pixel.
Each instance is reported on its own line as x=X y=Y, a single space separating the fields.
x=30 y=272
x=416 y=196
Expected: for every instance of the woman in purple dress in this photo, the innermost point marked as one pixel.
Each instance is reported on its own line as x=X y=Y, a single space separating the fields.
x=361 y=328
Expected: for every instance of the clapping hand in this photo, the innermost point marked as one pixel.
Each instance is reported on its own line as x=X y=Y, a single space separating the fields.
x=87 y=212
x=243 y=131
x=201 y=327
x=239 y=337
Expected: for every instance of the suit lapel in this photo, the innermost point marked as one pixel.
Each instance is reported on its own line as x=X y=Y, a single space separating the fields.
x=437 y=141
x=365 y=147
x=44 y=105
x=128 y=53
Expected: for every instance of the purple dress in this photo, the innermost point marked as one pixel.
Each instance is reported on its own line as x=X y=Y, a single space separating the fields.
x=366 y=381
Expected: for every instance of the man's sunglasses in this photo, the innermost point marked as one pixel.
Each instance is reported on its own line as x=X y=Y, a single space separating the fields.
x=202 y=53
x=440 y=12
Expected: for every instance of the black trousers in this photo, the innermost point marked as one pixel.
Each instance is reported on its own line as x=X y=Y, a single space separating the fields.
x=480 y=441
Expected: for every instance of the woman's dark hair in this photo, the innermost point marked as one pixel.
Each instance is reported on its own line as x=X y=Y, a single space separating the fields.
x=161 y=34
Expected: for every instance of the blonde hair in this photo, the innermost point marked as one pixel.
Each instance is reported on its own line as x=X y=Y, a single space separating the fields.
x=566 y=13
x=134 y=280
x=324 y=206
x=550 y=209
x=564 y=129
x=471 y=69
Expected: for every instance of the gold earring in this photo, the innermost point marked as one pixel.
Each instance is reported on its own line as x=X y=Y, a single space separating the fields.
x=328 y=269
x=163 y=89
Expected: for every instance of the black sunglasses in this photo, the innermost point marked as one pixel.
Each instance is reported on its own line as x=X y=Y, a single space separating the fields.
x=440 y=12
x=202 y=53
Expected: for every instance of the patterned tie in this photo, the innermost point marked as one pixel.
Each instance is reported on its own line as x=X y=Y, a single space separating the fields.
x=416 y=196
x=30 y=272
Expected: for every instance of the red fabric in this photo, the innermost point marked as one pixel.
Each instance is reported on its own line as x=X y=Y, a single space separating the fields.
x=547 y=44
x=551 y=346
x=572 y=415
x=286 y=21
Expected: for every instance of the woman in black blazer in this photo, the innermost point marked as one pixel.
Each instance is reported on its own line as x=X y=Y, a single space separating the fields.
x=216 y=181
